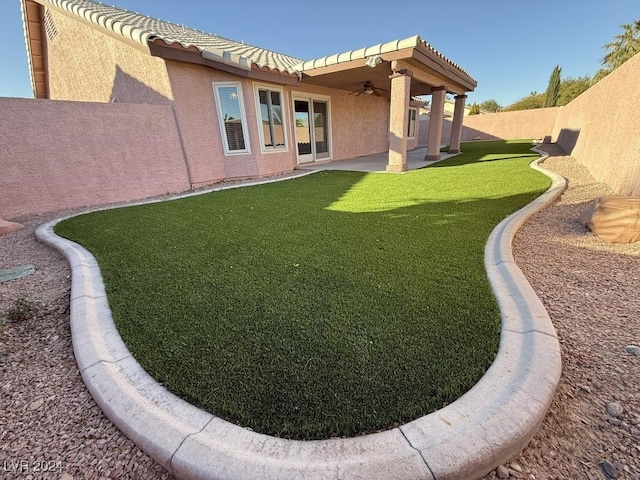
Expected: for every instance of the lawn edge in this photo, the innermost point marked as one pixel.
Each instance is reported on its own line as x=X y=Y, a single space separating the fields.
x=489 y=424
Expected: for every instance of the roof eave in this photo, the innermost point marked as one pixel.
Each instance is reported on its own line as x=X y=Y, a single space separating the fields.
x=34 y=40
x=428 y=65
x=191 y=54
x=357 y=55
x=426 y=54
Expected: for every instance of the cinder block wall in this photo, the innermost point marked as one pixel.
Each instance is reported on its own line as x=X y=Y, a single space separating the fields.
x=56 y=154
x=423 y=132
x=535 y=123
x=601 y=129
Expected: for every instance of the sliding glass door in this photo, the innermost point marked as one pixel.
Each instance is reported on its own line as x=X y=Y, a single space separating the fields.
x=312 y=129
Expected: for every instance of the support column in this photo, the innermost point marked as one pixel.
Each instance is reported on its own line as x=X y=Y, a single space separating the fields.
x=456 y=128
x=436 y=119
x=399 y=119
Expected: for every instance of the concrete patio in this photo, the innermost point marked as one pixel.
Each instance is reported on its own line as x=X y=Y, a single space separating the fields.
x=375 y=163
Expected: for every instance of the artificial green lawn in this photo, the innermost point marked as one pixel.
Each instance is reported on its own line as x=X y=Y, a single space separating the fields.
x=335 y=304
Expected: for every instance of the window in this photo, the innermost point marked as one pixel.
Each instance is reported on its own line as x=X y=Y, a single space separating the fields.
x=270 y=118
x=233 y=123
x=411 y=129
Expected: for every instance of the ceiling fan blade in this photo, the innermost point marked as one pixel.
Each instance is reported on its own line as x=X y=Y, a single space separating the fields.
x=360 y=92
x=375 y=92
x=381 y=89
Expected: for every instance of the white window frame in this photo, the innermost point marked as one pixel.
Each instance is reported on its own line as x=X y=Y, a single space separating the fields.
x=283 y=104
x=300 y=95
x=243 y=118
x=415 y=121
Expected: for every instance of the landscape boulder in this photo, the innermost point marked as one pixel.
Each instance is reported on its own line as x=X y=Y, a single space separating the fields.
x=8 y=227
x=613 y=218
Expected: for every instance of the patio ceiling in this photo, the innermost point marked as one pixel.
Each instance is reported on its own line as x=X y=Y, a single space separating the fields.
x=350 y=70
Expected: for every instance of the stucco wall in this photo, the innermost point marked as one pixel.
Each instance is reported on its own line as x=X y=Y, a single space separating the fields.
x=535 y=123
x=58 y=155
x=423 y=132
x=601 y=129
x=88 y=65
x=200 y=129
x=359 y=125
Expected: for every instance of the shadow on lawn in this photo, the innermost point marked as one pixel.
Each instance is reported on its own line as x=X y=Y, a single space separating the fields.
x=480 y=152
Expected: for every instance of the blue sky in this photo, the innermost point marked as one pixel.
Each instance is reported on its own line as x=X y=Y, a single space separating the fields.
x=509 y=46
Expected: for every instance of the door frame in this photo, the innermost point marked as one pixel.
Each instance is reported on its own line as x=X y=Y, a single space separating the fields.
x=310 y=98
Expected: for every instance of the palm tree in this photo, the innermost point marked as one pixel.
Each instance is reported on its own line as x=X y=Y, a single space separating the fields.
x=624 y=45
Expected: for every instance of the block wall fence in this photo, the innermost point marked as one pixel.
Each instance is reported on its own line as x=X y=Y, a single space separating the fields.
x=600 y=128
x=56 y=155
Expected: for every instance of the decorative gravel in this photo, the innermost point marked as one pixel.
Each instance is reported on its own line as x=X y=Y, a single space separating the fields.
x=51 y=427
x=590 y=289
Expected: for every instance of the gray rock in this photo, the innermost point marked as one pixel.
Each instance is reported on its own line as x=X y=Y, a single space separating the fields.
x=633 y=350
x=516 y=466
x=609 y=470
x=502 y=472
x=614 y=409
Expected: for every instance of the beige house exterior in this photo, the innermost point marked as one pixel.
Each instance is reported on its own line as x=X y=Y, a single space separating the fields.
x=242 y=111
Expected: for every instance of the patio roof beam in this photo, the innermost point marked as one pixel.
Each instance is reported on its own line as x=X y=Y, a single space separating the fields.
x=430 y=78
x=452 y=75
x=350 y=70
x=329 y=68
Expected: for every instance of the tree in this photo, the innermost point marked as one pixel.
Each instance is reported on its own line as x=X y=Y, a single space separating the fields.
x=490 y=106
x=533 y=100
x=624 y=46
x=474 y=109
x=600 y=74
x=553 y=89
x=571 y=87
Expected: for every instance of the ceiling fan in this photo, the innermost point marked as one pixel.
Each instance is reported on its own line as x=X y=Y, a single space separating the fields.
x=369 y=89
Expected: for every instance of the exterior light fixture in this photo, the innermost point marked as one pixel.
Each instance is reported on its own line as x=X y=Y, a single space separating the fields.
x=374 y=61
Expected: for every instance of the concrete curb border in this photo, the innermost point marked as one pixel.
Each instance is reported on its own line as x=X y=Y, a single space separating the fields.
x=485 y=427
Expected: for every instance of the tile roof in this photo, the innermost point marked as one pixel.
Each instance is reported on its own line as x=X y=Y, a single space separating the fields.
x=381 y=48
x=143 y=29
